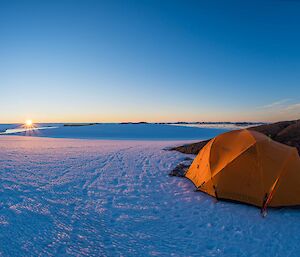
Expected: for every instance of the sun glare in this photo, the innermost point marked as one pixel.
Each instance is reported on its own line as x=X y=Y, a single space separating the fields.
x=28 y=123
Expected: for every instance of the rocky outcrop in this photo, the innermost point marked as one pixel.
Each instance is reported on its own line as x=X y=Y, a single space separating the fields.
x=285 y=132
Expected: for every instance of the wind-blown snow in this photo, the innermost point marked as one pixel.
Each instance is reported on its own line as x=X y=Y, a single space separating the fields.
x=115 y=198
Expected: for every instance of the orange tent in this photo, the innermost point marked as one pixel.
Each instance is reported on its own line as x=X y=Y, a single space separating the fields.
x=247 y=166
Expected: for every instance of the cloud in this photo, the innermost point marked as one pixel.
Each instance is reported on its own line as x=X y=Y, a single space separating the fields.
x=289 y=112
x=293 y=107
x=284 y=109
x=279 y=103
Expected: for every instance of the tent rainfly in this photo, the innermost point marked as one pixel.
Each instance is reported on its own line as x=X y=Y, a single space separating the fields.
x=249 y=167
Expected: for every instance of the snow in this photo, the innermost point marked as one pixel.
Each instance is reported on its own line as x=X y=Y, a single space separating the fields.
x=114 y=198
x=4 y=127
x=230 y=126
x=24 y=130
x=125 y=131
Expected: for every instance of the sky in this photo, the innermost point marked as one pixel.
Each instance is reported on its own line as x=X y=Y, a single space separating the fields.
x=112 y=61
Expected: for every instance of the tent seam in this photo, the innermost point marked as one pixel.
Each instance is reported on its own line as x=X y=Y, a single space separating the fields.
x=237 y=156
x=274 y=185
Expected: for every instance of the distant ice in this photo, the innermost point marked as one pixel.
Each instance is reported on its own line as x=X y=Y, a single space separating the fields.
x=127 y=131
x=63 y=197
x=4 y=127
x=230 y=126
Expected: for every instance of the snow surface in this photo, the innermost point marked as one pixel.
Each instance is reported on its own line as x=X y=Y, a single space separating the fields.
x=126 y=131
x=4 y=127
x=218 y=126
x=63 y=197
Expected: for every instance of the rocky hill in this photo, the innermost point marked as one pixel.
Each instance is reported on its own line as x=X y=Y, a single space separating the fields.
x=285 y=132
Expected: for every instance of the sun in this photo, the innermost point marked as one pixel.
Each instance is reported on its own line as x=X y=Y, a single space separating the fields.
x=28 y=123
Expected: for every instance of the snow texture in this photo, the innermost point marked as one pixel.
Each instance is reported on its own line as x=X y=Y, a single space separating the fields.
x=64 y=197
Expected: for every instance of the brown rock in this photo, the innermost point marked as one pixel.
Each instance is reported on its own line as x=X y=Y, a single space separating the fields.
x=285 y=132
x=190 y=148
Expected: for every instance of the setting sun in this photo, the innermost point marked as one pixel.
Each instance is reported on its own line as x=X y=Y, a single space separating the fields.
x=28 y=123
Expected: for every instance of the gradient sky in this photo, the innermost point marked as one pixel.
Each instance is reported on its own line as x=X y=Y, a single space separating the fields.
x=110 y=61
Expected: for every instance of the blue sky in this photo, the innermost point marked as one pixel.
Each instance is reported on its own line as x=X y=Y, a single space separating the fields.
x=104 y=61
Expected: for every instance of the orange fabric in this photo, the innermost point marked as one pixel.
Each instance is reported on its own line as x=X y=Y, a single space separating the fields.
x=248 y=166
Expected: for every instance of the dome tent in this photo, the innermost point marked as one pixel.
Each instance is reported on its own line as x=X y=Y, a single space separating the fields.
x=249 y=167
